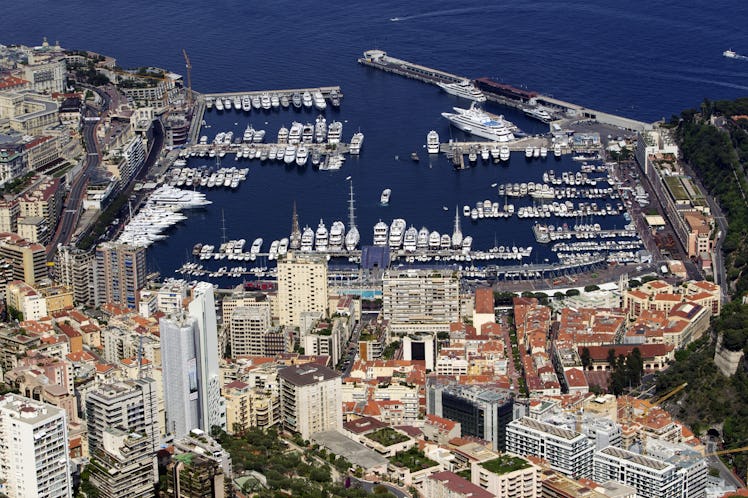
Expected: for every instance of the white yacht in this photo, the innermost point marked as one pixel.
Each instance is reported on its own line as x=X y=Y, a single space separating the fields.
x=380 y=233
x=445 y=241
x=337 y=236
x=432 y=142
x=538 y=113
x=246 y=103
x=256 y=102
x=422 y=242
x=219 y=104
x=321 y=237
x=543 y=152
x=456 y=239
x=307 y=100
x=410 y=241
x=307 y=133
x=290 y=155
x=294 y=135
x=249 y=133
x=307 y=239
x=397 y=232
x=352 y=238
x=254 y=250
x=356 y=141
x=319 y=101
x=283 y=246
x=479 y=123
x=274 y=101
x=265 y=101
x=504 y=153
x=434 y=240
x=237 y=103
x=302 y=155
x=557 y=150
x=320 y=129
x=168 y=196
x=283 y=135
x=463 y=89
x=334 y=131
x=273 y=251
x=467 y=244
x=528 y=152
x=384 y=199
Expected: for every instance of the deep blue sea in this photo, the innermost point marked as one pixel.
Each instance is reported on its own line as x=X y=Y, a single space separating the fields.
x=646 y=60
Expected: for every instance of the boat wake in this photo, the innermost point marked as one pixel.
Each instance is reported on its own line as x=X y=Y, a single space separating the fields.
x=440 y=13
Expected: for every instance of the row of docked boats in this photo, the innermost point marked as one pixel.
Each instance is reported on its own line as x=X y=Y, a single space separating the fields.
x=235 y=250
x=205 y=177
x=274 y=100
x=160 y=212
x=545 y=233
x=541 y=191
x=333 y=240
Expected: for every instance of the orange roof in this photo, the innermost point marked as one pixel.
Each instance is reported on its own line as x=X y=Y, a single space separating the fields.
x=484 y=300
x=440 y=423
x=673 y=298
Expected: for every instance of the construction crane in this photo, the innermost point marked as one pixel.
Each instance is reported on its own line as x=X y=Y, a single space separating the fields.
x=189 y=77
x=666 y=397
x=727 y=452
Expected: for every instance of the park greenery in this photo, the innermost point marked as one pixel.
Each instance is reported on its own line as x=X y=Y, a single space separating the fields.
x=412 y=459
x=714 y=142
x=289 y=472
x=505 y=464
x=387 y=436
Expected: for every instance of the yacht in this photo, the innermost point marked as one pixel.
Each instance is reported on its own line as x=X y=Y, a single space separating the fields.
x=283 y=246
x=294 y=135
x=463 y=89
x=356 y=141
x=321 y=237
x=246 y=103
x=290 y=155
x=528 y=152
x=467 y=244
x=384 y=199
x=237 y=101
x=284 y=101
x=434 y=240
x=307 y=239
x=283 y=135
x=274 y=101
x=273 y=251
x=172 y=197
x=543 y=152
x=410 y=241
x=319 y=101
x=219 y=104
x=380 y=233
x=445 y=241
x=320 y=129
x=249 y=133
x=307 y=100
x=258 y=137
x=538 y=113
x=334 y=131
x=557 y=150
x=352 y=238
x=337 y=236
x=456 y=239
x=422 y=242
x=227 y=104
x=397 y=232
x=477 y=122
x=504 y=153
x=296 y=100
x=730 y=54
x=265 y=101
x=302 y=155
x=256 y=102
x=256 y=247
x=432 y=142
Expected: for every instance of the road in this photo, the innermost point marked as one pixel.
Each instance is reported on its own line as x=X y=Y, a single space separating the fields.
x=369 y=487
x=72 y=207
x=724 y=472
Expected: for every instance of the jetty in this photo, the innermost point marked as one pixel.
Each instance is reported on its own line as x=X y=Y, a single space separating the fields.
x=498 y=92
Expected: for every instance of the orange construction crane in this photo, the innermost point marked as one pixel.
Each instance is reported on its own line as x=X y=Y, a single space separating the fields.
x=189 y=77
x=666 y=397
x=727 y=452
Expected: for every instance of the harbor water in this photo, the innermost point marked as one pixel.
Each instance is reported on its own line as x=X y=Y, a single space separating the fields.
x=644 y=63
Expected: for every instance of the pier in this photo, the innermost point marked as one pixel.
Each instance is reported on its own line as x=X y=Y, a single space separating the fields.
x=378 y=59
x=326 y=91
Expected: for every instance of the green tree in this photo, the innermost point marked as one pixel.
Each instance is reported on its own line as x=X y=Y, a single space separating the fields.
x=586 y=358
